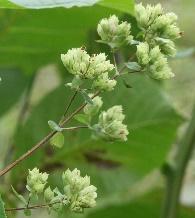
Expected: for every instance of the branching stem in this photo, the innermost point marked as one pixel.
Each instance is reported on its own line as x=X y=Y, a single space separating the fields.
x=37 y=206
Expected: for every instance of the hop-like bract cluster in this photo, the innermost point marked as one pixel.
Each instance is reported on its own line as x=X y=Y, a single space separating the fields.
x=36 y=181
x=159 y=68
x=103 y=82
x=146 y=15
x=158 y=28
x=110 y=125
x=78 y=190
x=155 y=63
x=93 y=109
x=79 y=63
x=113 y=33
x=143 y=53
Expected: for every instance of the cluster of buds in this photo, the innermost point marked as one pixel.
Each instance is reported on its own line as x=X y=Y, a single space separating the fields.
x=158 y=28
x=77 y=193
x=113 y=33
x=84 y=66
x=93 y=109
x=36 y=181
x=110 y=125
x=80 y=193
x=153 y=61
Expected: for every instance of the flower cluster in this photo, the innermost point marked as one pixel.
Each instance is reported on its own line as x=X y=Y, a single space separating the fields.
x=96 y=67
x=36 y=181
x=158 y=28
x=110 y=125
x=78 y=190
x=154 y=62
x=113 y=33
x=77 y=193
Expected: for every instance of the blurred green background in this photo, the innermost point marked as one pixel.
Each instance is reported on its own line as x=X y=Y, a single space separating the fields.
x=32 y=92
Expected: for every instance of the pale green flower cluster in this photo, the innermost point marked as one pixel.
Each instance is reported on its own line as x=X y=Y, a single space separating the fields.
x=110 y=125
x=158 y=28
x=77 y=193
x=104 y=83
x=113 y=33
x=80 y=193
x=96 y=67
x=153 y=61
x=36 y=181
x=93 y=109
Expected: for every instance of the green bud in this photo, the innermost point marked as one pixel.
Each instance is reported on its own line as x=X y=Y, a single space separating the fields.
x=113 y=33
x=103 y=83
x=78 y=190
x=110 y=125
x=143 y=53
x=36 y=181
x=146 y=15
x=79 y=63
x=158 y=68
x=92 y=109
x=48 y=195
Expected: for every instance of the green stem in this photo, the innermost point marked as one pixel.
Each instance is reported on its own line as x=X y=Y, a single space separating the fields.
x=176 y=172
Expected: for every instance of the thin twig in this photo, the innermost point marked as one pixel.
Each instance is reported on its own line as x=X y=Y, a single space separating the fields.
x=31 y=207
x=48 y=137
x=69 y=104
x=75 y=128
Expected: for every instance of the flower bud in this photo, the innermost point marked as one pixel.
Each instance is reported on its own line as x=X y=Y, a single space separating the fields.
x=36 y=181
x=146 y=15
x=110 y=126
x=78 y=190
x=113 y=33
x=92 y=109
x=158 y=68
x=79 y=63
x=103 y=83
x=143 y=53
x=48 y=195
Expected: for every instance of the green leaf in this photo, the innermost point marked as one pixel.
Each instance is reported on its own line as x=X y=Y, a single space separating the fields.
x=42 y=35
x=20 y=197
x=8 y=4
x=126 y=6
x=82 y=118
x=2 y=209
x=151 y=119
x=149 y=205
x=54 y=126
x=12 y=86
x=86 y=97
x=57 y=140
x=133 y=66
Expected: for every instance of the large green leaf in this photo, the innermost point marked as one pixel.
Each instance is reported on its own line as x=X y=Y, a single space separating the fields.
x=152 y=123
x=2 y=210
x=11 y=88
x=34 y=38
x=150 y=117
x=7 y=4
x=147 y=206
